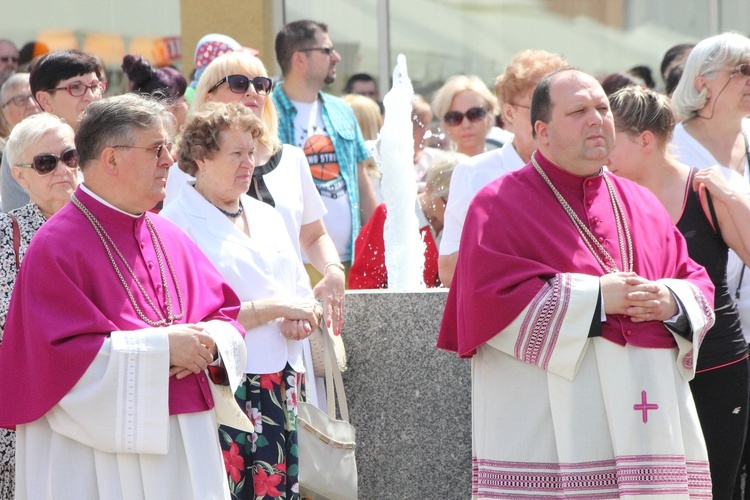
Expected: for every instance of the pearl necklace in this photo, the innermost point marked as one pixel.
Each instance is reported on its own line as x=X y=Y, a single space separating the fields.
x=588 y=238
x=158 y=244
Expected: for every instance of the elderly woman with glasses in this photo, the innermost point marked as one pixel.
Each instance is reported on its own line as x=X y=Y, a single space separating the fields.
x=17 y=101
x=44 y=161
x=466 y=109
x=241 y=236
x=713 y=99
x=713 y=216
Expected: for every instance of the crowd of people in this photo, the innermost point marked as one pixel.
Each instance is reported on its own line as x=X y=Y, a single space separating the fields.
x=168 y=252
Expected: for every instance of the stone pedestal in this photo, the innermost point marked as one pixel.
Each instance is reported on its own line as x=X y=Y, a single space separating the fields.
x=409 y=402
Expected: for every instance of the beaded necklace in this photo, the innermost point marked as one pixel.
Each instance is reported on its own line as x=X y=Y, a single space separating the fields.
x=156 y=240
x=610 y=266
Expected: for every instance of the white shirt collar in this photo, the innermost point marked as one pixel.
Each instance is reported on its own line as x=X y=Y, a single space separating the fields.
x=104 y=202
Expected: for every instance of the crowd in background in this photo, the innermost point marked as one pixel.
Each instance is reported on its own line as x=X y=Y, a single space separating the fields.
x=278 y=184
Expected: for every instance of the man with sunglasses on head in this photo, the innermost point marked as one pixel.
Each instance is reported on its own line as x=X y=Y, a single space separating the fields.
x=64 y=83
x=325 y=127
x=8 y=59
x=121 y=351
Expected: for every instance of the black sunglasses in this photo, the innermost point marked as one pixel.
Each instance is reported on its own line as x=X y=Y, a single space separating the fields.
x=46 y=163
x=240 y=83
x=455 y=118
x=743 y=69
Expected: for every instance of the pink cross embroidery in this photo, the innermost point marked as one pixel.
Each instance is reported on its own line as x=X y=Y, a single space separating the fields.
x=645 y=406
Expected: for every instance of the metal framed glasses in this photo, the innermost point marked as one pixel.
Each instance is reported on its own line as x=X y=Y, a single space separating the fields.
x=325 y=48
x=78 y=89
x=240 y=83
x=157 y=149
x=46 y=163
x=19 y=100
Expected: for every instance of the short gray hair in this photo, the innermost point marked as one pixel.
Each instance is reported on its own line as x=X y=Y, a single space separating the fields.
x=727 y=49
x=13 y=82
x=114 y=121
x=30 y=131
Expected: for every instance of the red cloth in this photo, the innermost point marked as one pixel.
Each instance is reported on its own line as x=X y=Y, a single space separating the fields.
x=368 y=270
x=517 y=236
x=67 y=299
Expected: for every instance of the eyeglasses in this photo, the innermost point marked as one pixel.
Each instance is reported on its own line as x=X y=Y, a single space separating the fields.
x=240 y=83
x=79 y=89
x=19 y=100
x=455 y=118
x=7 y=59
x=328 y=50
x=158 y=149
x=519 y=105
x=46 y=163
x=743 y=69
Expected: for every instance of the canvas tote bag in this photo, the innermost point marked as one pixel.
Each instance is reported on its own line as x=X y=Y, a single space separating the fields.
x=327 y=467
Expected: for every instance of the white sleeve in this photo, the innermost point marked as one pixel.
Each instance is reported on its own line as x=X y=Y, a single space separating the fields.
x=459 y=197
x=312 y=205
x=121 y=403
x=552 y=332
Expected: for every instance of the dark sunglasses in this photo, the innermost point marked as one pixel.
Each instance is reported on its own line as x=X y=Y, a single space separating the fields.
x=743 y=69
x=46 y=163
x=454 y=118
x=240 y=83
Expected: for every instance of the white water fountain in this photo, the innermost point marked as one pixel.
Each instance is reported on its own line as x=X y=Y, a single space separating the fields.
x=404 y=248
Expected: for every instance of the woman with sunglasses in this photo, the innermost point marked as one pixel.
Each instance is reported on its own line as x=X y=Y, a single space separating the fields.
x=466 y=108
x=713 y=216
x=281 y=177
x=45 y=163
x=713 y=99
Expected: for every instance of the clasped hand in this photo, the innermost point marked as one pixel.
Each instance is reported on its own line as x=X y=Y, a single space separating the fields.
x=190 y=349
x=637 y=297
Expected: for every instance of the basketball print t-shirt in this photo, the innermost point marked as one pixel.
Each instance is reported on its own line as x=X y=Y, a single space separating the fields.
x=311 y=135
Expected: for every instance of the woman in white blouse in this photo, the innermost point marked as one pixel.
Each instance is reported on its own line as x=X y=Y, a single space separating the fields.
x=245 y=240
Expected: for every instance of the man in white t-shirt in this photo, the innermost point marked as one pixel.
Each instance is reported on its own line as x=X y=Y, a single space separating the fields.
x=514 y=89
x=326 y=129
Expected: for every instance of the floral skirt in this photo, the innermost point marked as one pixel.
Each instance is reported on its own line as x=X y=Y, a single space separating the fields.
x=265 y=463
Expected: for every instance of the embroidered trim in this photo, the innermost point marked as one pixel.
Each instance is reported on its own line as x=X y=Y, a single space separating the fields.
x=622 y=476
x=541 y=326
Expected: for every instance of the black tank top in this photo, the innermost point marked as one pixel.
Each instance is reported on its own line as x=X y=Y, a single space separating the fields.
x=724 y=343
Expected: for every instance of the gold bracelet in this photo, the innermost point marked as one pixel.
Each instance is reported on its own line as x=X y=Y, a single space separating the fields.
x=255 y=313
x=334 y=264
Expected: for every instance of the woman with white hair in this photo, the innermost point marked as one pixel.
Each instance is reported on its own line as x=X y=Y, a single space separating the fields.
x=466 y=109
x=16 y=100
x=44 y=161
x=713 y=99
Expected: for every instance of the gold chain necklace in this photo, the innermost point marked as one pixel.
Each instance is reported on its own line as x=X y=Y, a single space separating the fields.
x=158 y=244
x=620 y=221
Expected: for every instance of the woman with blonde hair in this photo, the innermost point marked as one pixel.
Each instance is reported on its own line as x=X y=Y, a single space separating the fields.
x=466 y=109
x=370 y=121
x=281 y=177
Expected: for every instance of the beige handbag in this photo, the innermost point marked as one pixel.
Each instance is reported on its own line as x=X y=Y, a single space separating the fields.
x=317 y=350
x=327 y=467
